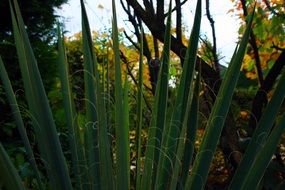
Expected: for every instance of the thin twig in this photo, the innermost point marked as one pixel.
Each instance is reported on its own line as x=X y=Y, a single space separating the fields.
x=277 y=47
x=214 y=48
x=131 y=40
x=272 y=10
x=176 y=7
x=124 y=59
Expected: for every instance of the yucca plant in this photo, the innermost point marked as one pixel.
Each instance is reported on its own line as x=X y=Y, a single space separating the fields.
x=168 y=160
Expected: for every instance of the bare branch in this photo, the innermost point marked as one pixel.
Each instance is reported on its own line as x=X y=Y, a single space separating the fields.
x=132 y=41
x=271 y=9
x=277 y=47
x=175 y=8
x=160 y=12
x=178 y=21
x=260 y=98
x=136 y=23
x=214 y=49
x=149 y=7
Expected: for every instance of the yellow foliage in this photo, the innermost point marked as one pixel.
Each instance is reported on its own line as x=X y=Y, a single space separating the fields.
x=247 y=58
x=277 y=2
x=268 y=32
x=251 y=75
x=244 y=115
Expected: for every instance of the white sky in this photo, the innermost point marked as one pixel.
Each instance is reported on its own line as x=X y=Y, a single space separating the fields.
x=226 y=25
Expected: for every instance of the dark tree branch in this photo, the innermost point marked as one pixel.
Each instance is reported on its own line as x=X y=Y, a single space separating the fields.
x=149 y=7
x=175 y=8
x=272 y=10
x=214 y=49
x=160 y=12
x=277 y=47
x=253 y=44
x=155 y=46
x=153 y=68
x=133 y=21
x=260 y=98
x=124 y=6
x=208 y=73
x=132 y=41
x=146 y=51
x=178 y=21
x=154 y=64
x=153 y=78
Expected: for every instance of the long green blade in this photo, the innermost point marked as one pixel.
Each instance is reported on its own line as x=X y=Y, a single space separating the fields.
x=153 y=144
x=186 y=142
x=192 y=126
x=167 y=154
x=139 y=114
x=42 y=119
x=260 y=135
x=264 y=157
x=96 y=107
x=70 y=112
x=216 y=121
x=126 y=110
x=156 y=129
x=9 y=176
x=121 y=127
x=19 y=121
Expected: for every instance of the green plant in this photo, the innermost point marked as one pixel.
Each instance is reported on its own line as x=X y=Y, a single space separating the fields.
x=95 y=163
